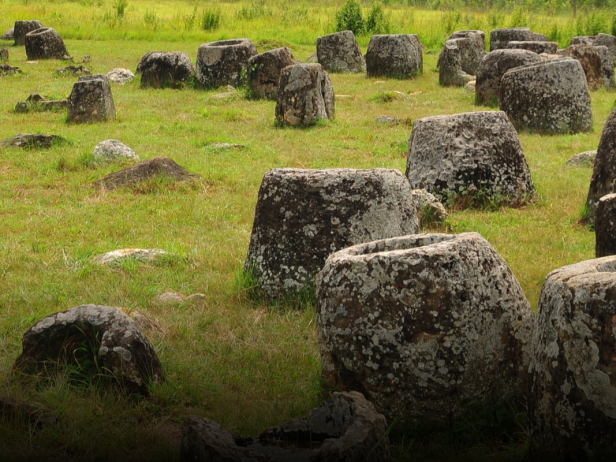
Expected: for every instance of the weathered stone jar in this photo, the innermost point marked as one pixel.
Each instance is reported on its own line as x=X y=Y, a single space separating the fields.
x=474 y=154
x=535 y=47
x=549 y=97
x=605 y=226
x=471 y=56
x=398 y=56
x=264 y=72
x=603 y=179
x=499 y=38
x=166 y=69
x=450 y=63
x=224 y=62
x=423 y=325
x=597 y=64
x=302 y=216
x=340 y=52
x=91 y=100
x=45 y=43
x=22 y=28
x=572 y=388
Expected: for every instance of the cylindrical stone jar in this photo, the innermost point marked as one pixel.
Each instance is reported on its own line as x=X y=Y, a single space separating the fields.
x=224 y=62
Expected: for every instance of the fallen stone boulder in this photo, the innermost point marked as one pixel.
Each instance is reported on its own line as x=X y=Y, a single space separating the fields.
x=162 y=69
x=499 y=38
x=346 y=428
x=423 y=325
x=5 y=69
x=120 y=75
x=45 y=43
x=571 y=394
x=603 y=179
x=264 y=72
x=470 y=154
x=120 y=347
x=36 y=102
x=91 y=100
x=74 y=70
x=340 y=52
x=151 y=168
x=4 y=54
x=584 y=159
x=302 y=216
x=492 y=68
x=112 y=150
x=140 y=255
x=605 y=226
x=398 y=56
x=223 y=63
x=536 y=47
x=8 y=35
x=473 y=54
x=32 y=140
x=22 y=28
x=305 y=95
x=450 y=63
x=549 y=97
x=597 y=64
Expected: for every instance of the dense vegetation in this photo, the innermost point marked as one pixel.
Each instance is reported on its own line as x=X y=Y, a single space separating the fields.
x=247 y=363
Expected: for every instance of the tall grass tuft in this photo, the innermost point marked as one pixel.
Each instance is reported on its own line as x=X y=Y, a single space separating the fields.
x=211 y=18
x=120 y=7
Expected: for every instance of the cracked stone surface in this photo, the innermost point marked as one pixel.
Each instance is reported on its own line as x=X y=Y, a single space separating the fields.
x=222 y=63
x=499 y=38
x=44 y=43
x=473 y=54
x=264 y=71
x=464 y=154
x=91 y=100
x=110 y=150
x=536 y=47
x=572 y=388
x=302 y=216
x=305 y=95
x=605 y=226
x=597 y=64
x=165 y=69
x=340 y=52
x=549 y=97
x=396 y=55
x=450 y=63
x=423 y=325
x=603 y=179
x=494 y=65
x=115 y=338
x=22 y=28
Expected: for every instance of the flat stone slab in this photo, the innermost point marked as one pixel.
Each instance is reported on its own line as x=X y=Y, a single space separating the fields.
x=142 y=255
x=32 y=140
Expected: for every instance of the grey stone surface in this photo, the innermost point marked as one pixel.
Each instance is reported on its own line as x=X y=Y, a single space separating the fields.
x=584 y=159
x=111 y=150
x=450 y=63
x=492 y=68
x=5 y=69
x=430 y=209
x=423 y=325
x=151 y=168
x=340 y=52
x=534 y=46
x=22 y=28
x=8 y=35
x=572 y=394
x=605 y=227
x=471 y=56
x=603 y=179
x=302 y=216
x=608 y=41
x=597 y=64
x=549 y=97
x=121 y=347
x=583 y=40
x=166 y=69
x=305 y=95
x=44 y=43
x=31 y=140
x=264 y=71
x=120 y=76
x=142 y=255
x=36 y=102
x=91 y=100
x=74 y=70
x=223 y=63
x=398 y=56
x=469 y=153
x=499 y=38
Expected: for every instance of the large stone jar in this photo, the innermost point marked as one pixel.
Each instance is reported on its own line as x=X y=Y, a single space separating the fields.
x=22 y=28
x=45 y=43
x=399 y=56
x=224 y=62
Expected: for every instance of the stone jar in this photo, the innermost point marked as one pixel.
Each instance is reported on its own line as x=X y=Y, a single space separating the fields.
x=597 y=64
x=398 y=56
x=340 y=52
x=603 y=179
x=536 y=47
x=423 y=325
x=22 y=28
x=471 y=56
x=45 y=43
x=450 y=63
x=264 y=72
x=499 y=38
x=163 y=69
x=224 y=62
x=91 y=100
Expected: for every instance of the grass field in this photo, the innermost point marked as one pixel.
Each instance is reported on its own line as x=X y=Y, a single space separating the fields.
x=246 y=364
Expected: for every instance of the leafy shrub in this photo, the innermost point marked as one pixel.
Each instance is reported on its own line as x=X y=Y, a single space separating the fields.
x=377 y=22
x=349 y=17
x=211 y=19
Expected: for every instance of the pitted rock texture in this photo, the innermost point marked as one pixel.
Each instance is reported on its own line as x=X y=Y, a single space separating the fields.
x=302 y=216
x=110 y=150
x=605 y=226
x=494 y=65
x=264 y=72
x=340 y=52
x=22 y=28
x=423 y=325
x=120 y=75
x=5 y=69
x=471 y=56
x=499 y=38
x=91 y=100
x=141 y=255
x=572 y=388
x=151 y=168
x=450 y=63
x=4 y=54
x=74 y=70
x=583 y=40
x=144 y=60
x=162 y=69
x=550 y=97
x=464 y=154
x=596 y=62
x=430 y=209
x=398 y=56
x=584 y=159
x=540 y=37
x=305 y=95
x=45 y=43
x=536 y=47
x=603 y=179
x=121 y=347
x=222 y=63
x=8 y=35
x=32 y=140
